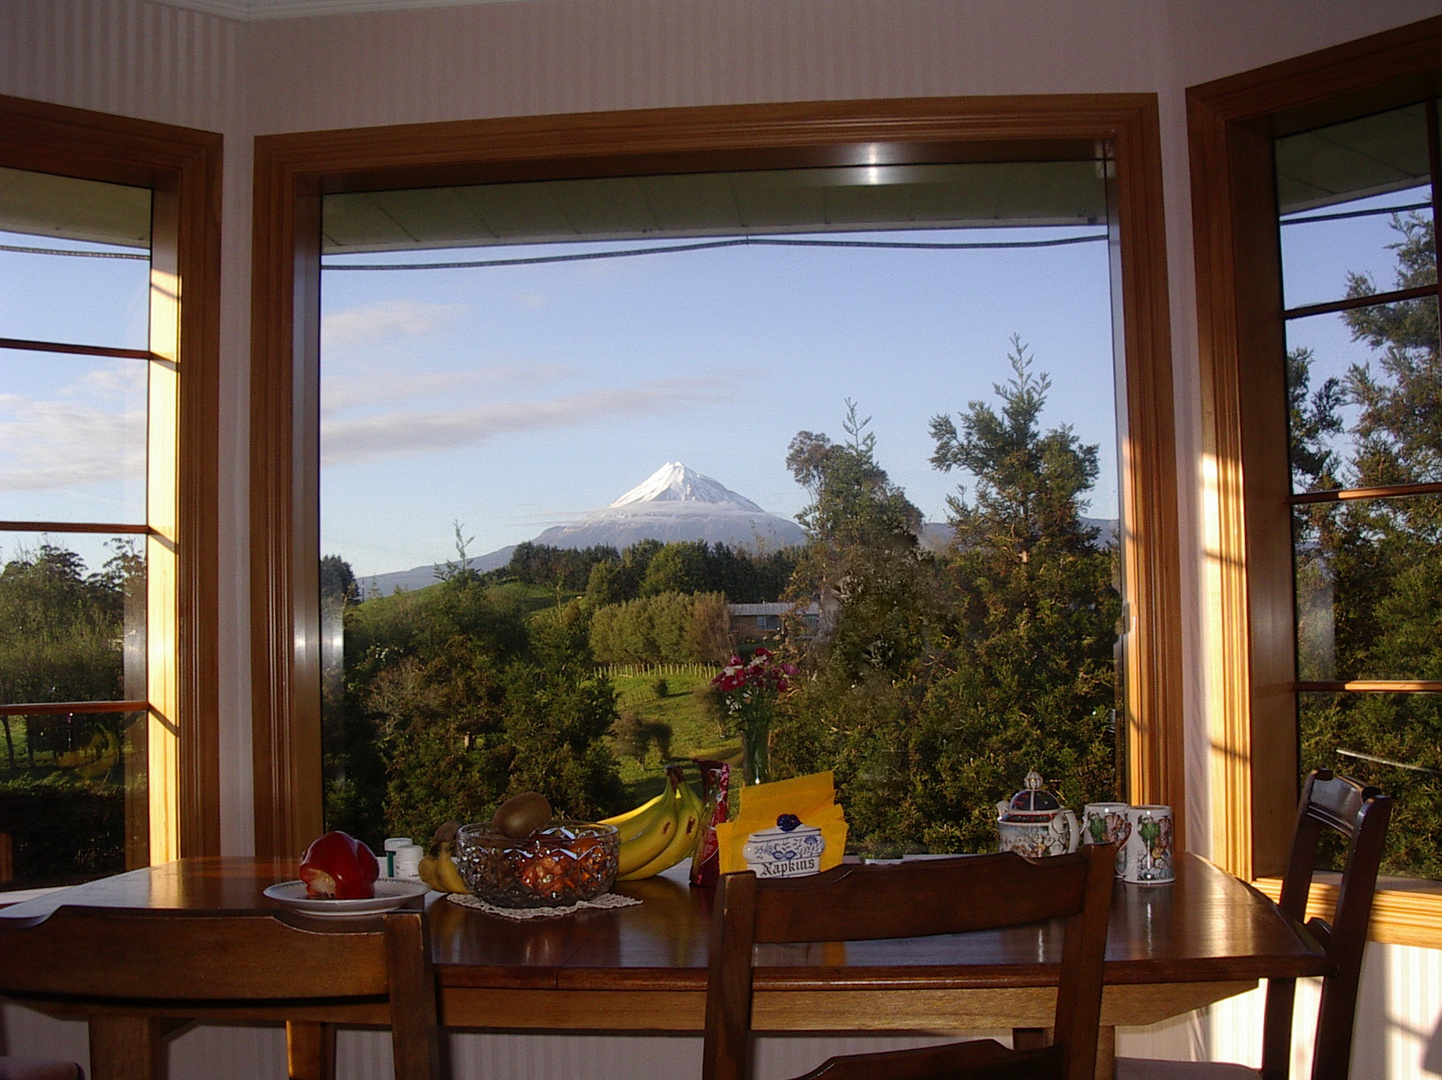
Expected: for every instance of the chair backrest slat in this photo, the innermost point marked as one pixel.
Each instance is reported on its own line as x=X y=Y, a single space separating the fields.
x=915 y=899
x=1360 y=814
x=114 y=958
x=182 y=956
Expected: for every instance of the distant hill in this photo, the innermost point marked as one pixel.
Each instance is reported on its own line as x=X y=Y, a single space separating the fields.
x=673 y=503
x=420 y=576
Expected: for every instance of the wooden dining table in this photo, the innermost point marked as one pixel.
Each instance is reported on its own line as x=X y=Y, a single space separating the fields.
x=1171 y=948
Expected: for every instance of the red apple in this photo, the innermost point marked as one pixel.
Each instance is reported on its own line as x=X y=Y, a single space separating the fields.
x=340 y=867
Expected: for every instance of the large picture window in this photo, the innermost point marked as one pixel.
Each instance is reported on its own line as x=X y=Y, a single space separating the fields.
x=610 y=152
x=107 y=473
x=620 y=391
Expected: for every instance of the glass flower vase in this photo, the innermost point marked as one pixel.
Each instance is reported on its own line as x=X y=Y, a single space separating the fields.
x=756 y=752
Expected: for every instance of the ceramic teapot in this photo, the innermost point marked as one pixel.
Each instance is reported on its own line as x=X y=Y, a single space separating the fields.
x=1034 y=823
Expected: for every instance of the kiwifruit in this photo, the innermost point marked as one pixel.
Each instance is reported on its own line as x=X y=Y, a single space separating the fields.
x=521 y=815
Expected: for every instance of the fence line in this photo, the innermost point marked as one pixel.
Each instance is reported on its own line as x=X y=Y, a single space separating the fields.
x=656 y=670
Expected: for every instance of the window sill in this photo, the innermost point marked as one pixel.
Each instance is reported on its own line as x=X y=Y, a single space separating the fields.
x=1406 y=911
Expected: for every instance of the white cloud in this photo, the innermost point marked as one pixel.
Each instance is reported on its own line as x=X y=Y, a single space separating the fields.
x=51 y=445
x=387 y=319
x=353 y=387
x=87 y=432
x=419 y=432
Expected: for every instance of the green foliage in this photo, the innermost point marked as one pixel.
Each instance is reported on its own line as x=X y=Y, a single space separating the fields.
x=565 y=568
x=63 y=637
x=864 y=566
x=466 y=701
x=1369 y=571
x=337 y=579
x=558 y=712
x=940 y=683
x=61 y=628
x=64 y=829
x=669 y=627
x=650 y=568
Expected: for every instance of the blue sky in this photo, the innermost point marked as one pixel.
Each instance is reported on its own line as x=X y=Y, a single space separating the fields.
x=72 y=428
x=511 y=398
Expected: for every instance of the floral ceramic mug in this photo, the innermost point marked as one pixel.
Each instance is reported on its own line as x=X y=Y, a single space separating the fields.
x=1149 y=849
x=1107 y=823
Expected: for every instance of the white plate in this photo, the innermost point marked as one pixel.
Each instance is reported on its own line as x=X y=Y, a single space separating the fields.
x=391 y=893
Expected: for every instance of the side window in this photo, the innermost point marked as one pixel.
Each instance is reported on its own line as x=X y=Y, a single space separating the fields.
x=1358 y=246
x=109 y=353
x=75 y=366
x=1314 y=225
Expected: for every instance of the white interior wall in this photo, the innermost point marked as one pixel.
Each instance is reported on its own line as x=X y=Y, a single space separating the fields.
x=143 y=59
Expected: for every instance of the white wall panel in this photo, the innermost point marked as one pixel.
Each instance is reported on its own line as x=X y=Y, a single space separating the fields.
x=131 y=57
x=144 y=59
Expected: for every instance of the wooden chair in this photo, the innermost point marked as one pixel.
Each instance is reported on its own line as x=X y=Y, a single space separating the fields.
x=1360 y=814
x=138 y=975
x=917 y=899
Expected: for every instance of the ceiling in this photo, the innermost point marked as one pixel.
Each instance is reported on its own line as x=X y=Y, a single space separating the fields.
x=248 y=10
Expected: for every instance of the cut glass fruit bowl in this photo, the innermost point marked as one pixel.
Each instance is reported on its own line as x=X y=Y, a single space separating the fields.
x=558 y=865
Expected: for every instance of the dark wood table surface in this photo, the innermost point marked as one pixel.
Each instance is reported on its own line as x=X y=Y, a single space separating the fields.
x=1172 y=948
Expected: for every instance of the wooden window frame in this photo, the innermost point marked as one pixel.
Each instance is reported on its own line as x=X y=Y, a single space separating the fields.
x=292 y=172
x=1232 y=123
x=181 y=167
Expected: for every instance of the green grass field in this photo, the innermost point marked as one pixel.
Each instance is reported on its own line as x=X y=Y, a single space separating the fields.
x=693 y=731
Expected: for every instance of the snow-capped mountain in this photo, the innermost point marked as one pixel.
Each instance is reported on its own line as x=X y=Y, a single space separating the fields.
x=677 y=503
x=673 y=503
x=674 y=482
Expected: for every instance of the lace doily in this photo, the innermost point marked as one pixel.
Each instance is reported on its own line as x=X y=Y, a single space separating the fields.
x=605 y=900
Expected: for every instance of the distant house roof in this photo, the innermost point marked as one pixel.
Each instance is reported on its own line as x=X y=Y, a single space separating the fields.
x=770 y=609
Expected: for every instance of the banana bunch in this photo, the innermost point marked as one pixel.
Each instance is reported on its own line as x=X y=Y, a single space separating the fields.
x=439 y=871
x=659 y=833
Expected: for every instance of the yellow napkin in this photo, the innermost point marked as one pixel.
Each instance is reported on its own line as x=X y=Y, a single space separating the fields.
x=811 y=798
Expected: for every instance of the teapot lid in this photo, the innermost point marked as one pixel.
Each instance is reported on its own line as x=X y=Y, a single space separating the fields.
x=1034 y=798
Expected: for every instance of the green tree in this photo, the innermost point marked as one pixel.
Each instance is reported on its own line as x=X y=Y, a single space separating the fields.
x=565 y=568
x=680 y=567
x=942 y=684
x=467 y=702
x=864 y=565
x=611 y=583
x=64 y=637
x=337 y=579
x=1369 y=574
x=672 y=627
x=1030 y=679
x=61 y=627
x=879 y=609
x=558 y=712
